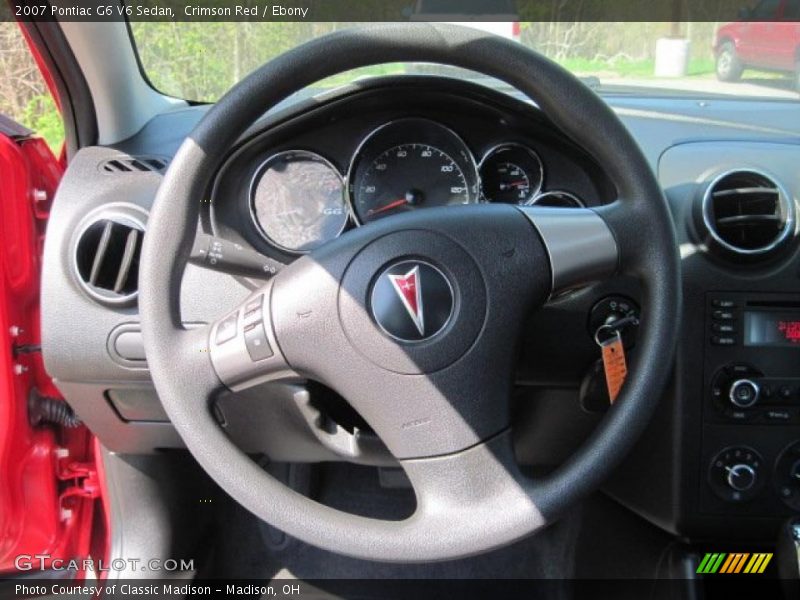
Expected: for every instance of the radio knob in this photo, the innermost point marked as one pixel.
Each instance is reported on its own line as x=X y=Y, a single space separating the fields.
x=741 y=477
x=743 y=393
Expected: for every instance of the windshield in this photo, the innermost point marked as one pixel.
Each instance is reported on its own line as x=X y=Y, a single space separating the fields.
x=199 y=61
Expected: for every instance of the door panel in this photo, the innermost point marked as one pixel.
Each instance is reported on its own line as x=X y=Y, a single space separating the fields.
x=49 y=490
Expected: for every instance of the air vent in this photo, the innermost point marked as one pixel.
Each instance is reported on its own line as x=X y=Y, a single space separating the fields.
x=134 y=164
x=107 y=254
x=748 y=213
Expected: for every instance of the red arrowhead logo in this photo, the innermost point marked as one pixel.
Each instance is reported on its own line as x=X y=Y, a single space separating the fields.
x=410 y=291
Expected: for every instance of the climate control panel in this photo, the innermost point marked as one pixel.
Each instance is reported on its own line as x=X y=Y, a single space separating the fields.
x=741 y=474
x=787 y=476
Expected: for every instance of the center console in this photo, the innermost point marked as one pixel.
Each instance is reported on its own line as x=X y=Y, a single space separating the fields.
x=721 y=461
x=751 y=406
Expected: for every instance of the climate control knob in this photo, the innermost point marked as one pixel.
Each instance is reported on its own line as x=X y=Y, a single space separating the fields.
x=735 y=474
x=787 y=476
x=741 y=477
x=744 y=393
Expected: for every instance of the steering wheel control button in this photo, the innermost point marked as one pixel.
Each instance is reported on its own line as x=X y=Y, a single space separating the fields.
x=253 y=356
x=735 y=474
x=412 y=301
x=744 y=393
x=251 y=317
x=255 y=338
x=254 y=305
x=226 y=330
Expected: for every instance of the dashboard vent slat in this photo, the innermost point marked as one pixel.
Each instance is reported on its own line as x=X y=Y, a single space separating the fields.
x=750 y=190
x=100 y=253
x=128 y=257
x=115 y=165
x=134 y=164
x=747 y=212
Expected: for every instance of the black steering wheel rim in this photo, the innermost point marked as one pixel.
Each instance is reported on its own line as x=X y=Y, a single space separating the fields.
x=183 y=374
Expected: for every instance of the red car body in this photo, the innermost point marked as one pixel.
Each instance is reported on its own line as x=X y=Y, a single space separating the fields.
x=52 y=501
x=767 y=38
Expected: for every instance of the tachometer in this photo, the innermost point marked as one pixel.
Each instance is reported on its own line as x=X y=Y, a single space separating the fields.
x=410 y=164
x=512 y=174
x=297 y=201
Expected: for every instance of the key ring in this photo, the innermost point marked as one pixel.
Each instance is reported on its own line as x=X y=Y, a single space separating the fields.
x=607 y=328
x=615 y=326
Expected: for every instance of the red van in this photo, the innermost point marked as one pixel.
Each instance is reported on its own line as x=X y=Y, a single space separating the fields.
x=767 y=37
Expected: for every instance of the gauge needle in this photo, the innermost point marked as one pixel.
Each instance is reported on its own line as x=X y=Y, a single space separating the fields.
x=390 y=206
x=511 y=184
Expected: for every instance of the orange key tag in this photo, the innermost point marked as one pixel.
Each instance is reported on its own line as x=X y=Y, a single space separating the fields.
x=613 y=360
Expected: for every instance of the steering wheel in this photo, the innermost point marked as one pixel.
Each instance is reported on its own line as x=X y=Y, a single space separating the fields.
x=414 y=318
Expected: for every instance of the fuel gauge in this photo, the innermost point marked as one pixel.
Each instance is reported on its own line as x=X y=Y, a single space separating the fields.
x=511 y=174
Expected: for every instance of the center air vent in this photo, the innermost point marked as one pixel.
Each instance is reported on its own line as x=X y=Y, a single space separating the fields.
x=107 y=254
x=748 y=213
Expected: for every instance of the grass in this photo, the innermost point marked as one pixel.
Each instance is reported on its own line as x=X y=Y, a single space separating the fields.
x=623 y=67
x=371 y=71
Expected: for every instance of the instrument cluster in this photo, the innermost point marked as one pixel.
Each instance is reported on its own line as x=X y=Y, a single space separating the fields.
x=298 y=200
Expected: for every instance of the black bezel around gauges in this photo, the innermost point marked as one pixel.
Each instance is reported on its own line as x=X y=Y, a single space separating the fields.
x=408 y=164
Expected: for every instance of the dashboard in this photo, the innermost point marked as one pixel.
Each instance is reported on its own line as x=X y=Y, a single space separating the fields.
x=725 y=443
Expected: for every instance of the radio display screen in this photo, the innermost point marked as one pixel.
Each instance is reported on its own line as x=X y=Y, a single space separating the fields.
x=779 y=329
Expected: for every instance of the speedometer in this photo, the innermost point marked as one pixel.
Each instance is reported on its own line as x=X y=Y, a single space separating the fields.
x=410 y=164
x=409 y=176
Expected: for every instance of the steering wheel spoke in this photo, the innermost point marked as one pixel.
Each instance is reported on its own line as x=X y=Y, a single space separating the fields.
x=633 y=228
x=478 y=492
x=580 y=245
x=474 y=482
x=243 y=346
